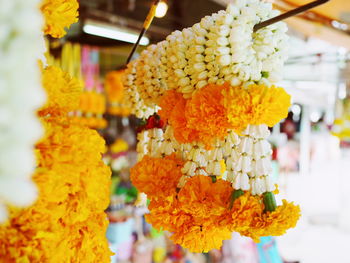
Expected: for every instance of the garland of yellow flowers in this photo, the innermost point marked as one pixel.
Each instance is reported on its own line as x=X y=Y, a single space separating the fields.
x=67 y=223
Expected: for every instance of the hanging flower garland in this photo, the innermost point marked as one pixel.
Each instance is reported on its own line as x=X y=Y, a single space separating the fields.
x=67 y=223
x=115 y=92
x=207 y=99
x=20 y=47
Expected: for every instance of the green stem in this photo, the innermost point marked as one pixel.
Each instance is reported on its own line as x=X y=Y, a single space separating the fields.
x=269 y=202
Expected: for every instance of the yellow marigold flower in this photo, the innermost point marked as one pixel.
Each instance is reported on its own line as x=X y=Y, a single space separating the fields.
x=157 y=176
x=201 y=238
x=67 y=223
x=270 y=104
x=276 y=223
x=249 y=218
x=239 y=217
x=63 y=92
x=59 y=15
x=255 y=104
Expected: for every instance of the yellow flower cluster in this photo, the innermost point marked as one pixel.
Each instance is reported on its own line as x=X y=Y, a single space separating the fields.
x=63 y=92
x=255 y=104
x=67 y=223
x=59 y=15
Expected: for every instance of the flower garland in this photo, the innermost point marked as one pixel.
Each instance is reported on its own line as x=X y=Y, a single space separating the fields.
x=20 y=47
x=207 y=97
x=221 y=48
x=67 y=222
x=115 y=92
x=90 y=111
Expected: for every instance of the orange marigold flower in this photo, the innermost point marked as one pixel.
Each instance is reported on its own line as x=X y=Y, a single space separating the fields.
x=206 y=114
x=203 y=198
x=157 y=176
x=168 y=102
x=183 y=133
x=166 y=214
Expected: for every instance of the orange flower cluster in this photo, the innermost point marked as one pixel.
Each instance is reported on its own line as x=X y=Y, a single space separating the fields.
x=157 y=176
x=215 y=109
x=67 y=223
x=200 y=216
x=193 y=214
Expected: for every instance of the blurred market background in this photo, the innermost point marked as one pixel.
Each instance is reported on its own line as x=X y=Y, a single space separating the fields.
x=311 y=146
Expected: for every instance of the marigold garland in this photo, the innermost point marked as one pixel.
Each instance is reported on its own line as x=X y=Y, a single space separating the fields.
x=215 y=100
x=59 y=15
x=67 y=223
x=215 y=109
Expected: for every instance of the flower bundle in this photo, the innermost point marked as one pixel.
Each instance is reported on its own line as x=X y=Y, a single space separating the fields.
x=90 y=111
x=207 y=98
x=67 y=222
x=20 y=46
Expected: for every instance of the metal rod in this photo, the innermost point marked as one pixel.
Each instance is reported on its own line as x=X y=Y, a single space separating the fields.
x=146 y=25
x=290 y=13
x=135 y=45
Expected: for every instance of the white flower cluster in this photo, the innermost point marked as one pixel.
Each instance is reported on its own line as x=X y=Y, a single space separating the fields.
x=21 y=44
x=249 y=163
x=247 y=157
x=221 y=48
x=156 y=143
x=132 y=99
